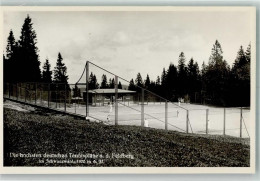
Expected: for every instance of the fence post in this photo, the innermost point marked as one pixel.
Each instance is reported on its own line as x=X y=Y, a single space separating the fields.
x=41 y=91
x=87 y=77
x=142 y=108
x=224 y=124
x=166 y=115
x=35 y=93
x=65 y=98
x=9 y=90
x=241 y=117
x=56 y=105
x=16 y=91
x=25 y=92
x=187 y=122
x=59 y=96
x=49 y=95
x=207 y=121
x=116 y=103
x=20 y=91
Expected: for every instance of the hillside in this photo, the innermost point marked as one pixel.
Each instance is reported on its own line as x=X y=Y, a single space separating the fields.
x=36 y=137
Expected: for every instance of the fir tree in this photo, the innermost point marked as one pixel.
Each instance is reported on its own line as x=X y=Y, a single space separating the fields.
x=158 y=85
x=10 y=64
x=132 y=85
x=240 y=79
x=248 y=53
x=171 y=82
x=139 y=80
x=119 y=85
x=163 y=78
x=216 y=54
x=60 y=71
x=76 y=91
x=217 y=77
x=158 y=81
x=28 y=62
x=182 y=75
x=47 y=73
x=93 y=81
x=11 y=45
x=193 y=80
x=111 y=83
x=104 y=83
x=147 y=82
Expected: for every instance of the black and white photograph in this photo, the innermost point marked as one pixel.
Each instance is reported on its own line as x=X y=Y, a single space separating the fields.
x=128 y=89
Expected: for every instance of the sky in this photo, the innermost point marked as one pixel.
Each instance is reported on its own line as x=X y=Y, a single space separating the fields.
x=128 y=42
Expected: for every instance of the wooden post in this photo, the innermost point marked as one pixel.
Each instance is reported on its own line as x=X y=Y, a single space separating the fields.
x=56 y=97
x=25 y=92
x=166 y=115
x=142 y=108
x=35 y=93
x=48 y=95
x=20 y=90
x=207 y=119
x=224 y=124
x=16 y=91
x=187 y=122
x=41 y=92
x=59 y=97
x=241 y=117
x=65 y=98
x=9 y=90
x=75 y=105
x=116 y=103
x=87 y=97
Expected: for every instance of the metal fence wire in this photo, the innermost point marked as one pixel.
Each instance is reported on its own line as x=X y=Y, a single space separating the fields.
x=120 y=102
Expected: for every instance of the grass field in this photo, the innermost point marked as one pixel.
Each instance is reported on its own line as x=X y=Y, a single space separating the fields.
x=28 y=131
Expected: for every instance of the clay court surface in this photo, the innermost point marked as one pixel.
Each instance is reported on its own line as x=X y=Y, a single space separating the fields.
x=154 y=114
x=129 y=113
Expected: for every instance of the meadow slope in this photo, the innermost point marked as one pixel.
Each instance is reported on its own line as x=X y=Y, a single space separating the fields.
x=38 y=131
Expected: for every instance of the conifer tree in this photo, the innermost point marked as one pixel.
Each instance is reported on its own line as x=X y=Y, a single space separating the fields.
x=28 y=62
x=76 y=91
x=139 y=80
x=147 y=82
x=47 y=73
x=248 y=53
x=193 y=79
x=182 y=75
x=171 y=82
x=132 y=85
x=240 y=79
x=60 y=71
x=163 y=78
x=111 y=83
x=217 y=77
x=158 y=81
x=104 y=83
x=11 y=45
x=158 y=85
x=93 y=81
x=10 y=67
x=119 y=85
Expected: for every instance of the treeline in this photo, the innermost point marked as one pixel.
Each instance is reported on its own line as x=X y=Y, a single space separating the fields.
x=215 y=83
x=21 y=63
x=93 y=84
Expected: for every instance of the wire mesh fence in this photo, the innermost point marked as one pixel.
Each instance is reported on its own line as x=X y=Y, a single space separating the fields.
x=116 y=101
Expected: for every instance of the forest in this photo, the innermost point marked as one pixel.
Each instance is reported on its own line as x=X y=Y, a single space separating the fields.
x=215 y=83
